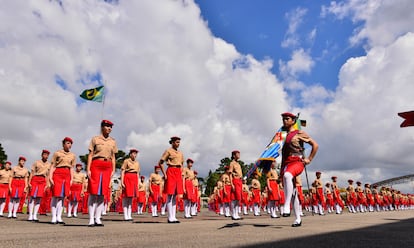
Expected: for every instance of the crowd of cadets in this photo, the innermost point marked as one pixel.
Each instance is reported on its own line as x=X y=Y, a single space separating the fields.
x=320 y=199
x=17 y=188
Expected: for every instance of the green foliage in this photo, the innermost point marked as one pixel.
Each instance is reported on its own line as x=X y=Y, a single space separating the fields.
x=213 y=177
x=3 y=155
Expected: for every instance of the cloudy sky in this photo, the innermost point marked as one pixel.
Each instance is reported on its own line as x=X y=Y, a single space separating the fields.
x=216 y=74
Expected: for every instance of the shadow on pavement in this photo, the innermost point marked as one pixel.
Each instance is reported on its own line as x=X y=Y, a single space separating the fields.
x=398 y=234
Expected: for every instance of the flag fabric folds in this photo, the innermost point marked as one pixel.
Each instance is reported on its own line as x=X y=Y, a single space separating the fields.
x=95 y=94
x=273 y=149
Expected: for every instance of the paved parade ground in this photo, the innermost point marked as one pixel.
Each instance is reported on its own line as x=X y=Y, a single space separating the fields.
x=378 y=229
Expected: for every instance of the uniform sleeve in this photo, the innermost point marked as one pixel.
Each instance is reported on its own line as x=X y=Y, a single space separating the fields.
x=165 y=155
x=124 y=164
x=92 y=145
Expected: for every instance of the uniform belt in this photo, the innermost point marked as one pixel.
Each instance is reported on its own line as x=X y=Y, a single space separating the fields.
x=174 y=166
x=39 y=175
x=100 y=158
x=63 y=167
x=133 y=172
x=18 y=178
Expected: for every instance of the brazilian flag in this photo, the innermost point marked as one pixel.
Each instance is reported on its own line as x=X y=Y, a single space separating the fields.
x=95 y=94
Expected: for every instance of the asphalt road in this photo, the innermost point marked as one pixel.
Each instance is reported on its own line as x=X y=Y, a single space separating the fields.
x=378 y=229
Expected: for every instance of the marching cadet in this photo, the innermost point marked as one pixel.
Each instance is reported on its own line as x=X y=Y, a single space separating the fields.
x=351 y=197
x=6 y=175
x=142 y=196
x=129 y=180
x=195 y=204
x=155 y=189
x=256 y=190
x=189 y=192
x=60 y=177
x=361 y=199
x=245 y=196
x=329 y=198
x=226 y=199
x=219 y=191
x=18 y=186
x=294 y=162
x=272 y=189
x=370 y=197
x=100 y=168
x=320 y=197
x=174 y=184
x=236 y=176
x=339 y=204
x=38 y=184
x=375 y=193
x=77 y=190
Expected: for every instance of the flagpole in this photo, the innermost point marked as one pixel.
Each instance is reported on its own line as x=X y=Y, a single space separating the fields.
x=103 y=106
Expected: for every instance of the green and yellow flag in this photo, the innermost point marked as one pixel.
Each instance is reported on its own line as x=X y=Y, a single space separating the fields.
x=95 y=94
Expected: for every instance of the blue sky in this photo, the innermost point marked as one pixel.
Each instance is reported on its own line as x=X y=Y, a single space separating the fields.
x=260 y=28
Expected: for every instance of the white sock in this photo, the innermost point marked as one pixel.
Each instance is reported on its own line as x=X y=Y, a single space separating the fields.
x=92 y=208
x=288 y=182
x=75 y=209
x=99 y=209
x=31 y=208
x=59 y=209
x=36 y=208
x=16 y=206
x=54 y=202
x=70 y=207
x=2 y=206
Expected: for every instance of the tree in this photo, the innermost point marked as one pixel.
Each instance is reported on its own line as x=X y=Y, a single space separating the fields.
x=213 y=177
x=3 y=155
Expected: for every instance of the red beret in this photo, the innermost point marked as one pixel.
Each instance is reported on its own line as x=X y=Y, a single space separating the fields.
x=288 y=114
x=45 y=151
x=133 y=150
x=157 y=167
x=195 y=172
x=190 y=160
x=235 y=151
x=142 y=177
x=358 y=182
x=327 y=184
x=78 y=165
x=68 y=139
x=8 y=162
x=226 y=167
x=22 y=158
x=334 y=177
x=106 y=123
x=350 y=181
x=318 y=173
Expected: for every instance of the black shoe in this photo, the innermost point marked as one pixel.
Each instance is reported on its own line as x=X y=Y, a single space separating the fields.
x=100 y=224
x=35 y=220
x=274 y=217
x=188 y=217
x=53 y=223
x=286 y=215
x=173 y=221
x=91 y=225
x=297 y=224
x=61 y=222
